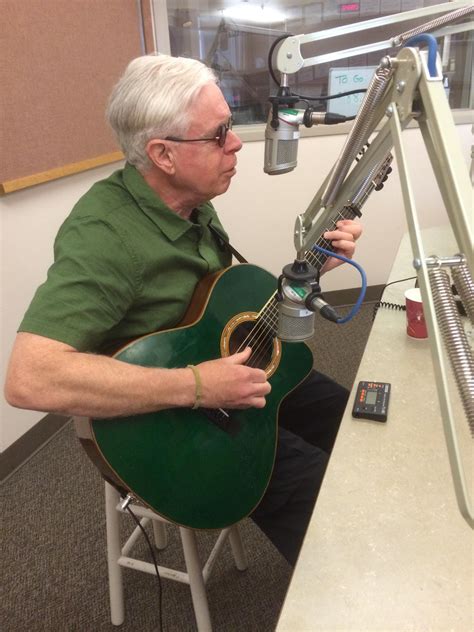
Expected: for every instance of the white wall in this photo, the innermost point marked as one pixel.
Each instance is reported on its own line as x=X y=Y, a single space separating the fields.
x=29 y=220
x=258 y=211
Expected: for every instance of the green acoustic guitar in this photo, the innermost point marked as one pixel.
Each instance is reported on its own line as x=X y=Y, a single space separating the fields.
x=206 y=468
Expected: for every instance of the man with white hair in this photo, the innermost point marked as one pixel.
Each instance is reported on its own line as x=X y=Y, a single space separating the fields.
x=127 y=261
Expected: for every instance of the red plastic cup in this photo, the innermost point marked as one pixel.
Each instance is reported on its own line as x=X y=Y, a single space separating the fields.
x=416 y=324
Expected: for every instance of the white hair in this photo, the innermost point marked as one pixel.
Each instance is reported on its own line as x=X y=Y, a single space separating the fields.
x=152 y=99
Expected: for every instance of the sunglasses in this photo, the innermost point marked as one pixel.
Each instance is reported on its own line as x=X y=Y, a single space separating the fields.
x=220 y=135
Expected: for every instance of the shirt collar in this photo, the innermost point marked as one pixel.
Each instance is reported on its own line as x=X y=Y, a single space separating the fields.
x=169 y=222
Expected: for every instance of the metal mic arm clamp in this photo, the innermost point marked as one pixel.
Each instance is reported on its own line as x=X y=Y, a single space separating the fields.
x=300 y=272
x=284 y=97
x=303 y=288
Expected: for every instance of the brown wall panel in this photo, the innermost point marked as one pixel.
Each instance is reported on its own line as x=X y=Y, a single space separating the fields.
x=59 y=60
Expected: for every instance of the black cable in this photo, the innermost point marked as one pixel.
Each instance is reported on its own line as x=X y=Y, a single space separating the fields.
x=160 y=589
x=300 y=96
x=332 y=96
x=400 y=281
x=270 y=55
x=391 y=305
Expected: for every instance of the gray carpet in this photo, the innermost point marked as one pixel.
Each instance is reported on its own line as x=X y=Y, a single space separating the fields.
x=53 y=566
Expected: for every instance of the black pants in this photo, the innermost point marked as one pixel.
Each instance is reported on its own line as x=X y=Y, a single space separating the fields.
x=308 y=423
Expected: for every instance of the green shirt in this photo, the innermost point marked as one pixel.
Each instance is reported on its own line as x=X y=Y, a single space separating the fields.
x=125 y=265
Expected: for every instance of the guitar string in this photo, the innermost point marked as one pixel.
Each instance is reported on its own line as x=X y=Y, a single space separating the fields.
x=268 y=341
x=269 y=316
x=262 y=343
x=271 y=310
x=260 y=338
x=268 y=330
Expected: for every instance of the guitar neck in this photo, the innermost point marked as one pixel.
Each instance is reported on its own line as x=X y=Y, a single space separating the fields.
x=316 y=258
x=374 y=180
x=269 y=313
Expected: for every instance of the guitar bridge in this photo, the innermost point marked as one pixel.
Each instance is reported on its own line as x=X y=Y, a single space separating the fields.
x=222 y=419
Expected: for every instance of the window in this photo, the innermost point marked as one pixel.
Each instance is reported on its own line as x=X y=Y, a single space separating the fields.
x=234 y=38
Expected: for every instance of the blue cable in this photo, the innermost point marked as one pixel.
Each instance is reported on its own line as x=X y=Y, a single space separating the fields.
x=363 y=289
x=426 y=38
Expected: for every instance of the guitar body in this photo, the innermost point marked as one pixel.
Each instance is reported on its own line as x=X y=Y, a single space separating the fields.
x=178 y=462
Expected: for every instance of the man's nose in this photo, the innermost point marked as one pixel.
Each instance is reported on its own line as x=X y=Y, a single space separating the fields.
x=233 y=142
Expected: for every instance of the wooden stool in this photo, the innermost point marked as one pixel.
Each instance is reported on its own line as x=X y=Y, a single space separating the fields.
x=196 y=575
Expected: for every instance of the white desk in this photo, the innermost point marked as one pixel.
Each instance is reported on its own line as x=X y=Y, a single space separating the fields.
x=387 y=548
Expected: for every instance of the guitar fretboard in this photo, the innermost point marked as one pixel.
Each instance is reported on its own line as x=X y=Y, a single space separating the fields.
x=262 y=336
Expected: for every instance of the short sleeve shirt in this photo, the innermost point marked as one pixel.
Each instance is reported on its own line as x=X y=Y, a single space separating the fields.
x=125 y=265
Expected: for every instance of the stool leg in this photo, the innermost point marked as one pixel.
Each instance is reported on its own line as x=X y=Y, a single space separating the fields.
x=196 y=580
x=117 y=612
x=237 y=547
x=159 y=532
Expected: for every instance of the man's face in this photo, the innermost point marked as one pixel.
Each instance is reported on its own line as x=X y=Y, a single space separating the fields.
x=203 y=169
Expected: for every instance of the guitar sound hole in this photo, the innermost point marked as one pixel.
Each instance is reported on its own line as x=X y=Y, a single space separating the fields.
x=256 y=335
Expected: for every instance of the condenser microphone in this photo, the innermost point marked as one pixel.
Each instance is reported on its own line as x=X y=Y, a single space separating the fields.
x=299 y=297
x=282 y=134
x=295 y=320
x=281 y=141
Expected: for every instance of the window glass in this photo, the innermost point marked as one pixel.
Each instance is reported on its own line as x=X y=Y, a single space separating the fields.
x=234 y=38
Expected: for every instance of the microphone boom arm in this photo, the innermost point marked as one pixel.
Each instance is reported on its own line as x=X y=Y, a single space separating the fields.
x=412 y=89
x=290 y=59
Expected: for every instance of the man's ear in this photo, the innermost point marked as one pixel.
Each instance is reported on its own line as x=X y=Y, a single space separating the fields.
x=161 y=155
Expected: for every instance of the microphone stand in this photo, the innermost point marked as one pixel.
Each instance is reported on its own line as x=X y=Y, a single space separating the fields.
x=405 y=88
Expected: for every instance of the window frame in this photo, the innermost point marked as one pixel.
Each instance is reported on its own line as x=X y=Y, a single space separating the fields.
x=253 y=132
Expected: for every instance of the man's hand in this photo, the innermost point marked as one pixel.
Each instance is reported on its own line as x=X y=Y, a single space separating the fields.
x=228 y=383
x=343 y=241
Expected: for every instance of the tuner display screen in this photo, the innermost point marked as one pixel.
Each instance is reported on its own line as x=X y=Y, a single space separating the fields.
x=371 y=398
